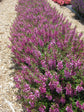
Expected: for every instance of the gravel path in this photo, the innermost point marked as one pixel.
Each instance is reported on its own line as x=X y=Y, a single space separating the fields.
x=7 y=97
x=7 y=15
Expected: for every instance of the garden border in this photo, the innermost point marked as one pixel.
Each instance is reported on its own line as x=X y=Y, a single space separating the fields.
x=69 y=16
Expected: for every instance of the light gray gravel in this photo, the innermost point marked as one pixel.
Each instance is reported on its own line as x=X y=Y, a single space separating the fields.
x=7 y=96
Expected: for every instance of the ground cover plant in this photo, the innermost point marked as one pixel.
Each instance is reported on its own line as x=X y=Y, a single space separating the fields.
x=78 y=6
x=50 y=56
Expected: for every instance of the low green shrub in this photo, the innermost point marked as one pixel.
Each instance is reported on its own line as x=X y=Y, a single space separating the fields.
x=78 y=6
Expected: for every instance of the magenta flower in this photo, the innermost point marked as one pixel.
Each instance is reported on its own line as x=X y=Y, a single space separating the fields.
x=55 y=84
x=82 y=107
x=18 y=97
x=16 y=78
x=43 y=62
x=42 y=89
x=67 y=74
x=78 y=63
x=49 y=97
x=69 y=108
x=69 y=90
x=49 y=75
x=28 y=110
x=60 y=65
x=62 y=100
x=32 y=104
x=25 y=96
x=26 y=88
x=82 y=83
x=54 y=108
x=68 y=65
x=32 y=97
x=79 y=88
x=78 y=104
x=42 y=108
x=56 y=76
x=18 y=85
x=37 y=93
x=51 y=86
x=59 y=89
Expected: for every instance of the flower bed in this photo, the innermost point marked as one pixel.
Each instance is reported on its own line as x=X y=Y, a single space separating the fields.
x=78 y=6
x=51 y=59
x=63 y=2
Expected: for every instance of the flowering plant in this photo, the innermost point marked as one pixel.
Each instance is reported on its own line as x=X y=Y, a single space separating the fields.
x=62 y=2
x=78 y=6
x=50 y=56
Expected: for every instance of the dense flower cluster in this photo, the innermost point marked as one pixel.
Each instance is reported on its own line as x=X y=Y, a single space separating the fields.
x=50 y=56
x=62 y=2
x=78 y=6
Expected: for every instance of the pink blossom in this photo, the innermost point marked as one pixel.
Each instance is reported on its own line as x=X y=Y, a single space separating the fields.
x=60 y=65
x=17 y=85
x=42 y=108
x=32 y=97
x=26 y=88
x=81 y=83
x=78 y=104
x=62 y=100
x=18 y=97
x=49 y=97
x=43 y=62
x=50 y=63
x=51 y=86
x=67 y=74
x=82 y=107
x=17 y=78
x=42 y=89
x=59 y=89
x=32 y=104
x=68 y=89
x=37 y=93
x=55 y=84
x=69 y=108
x=28 y=110
x=49 y=75
x=79 y=88
x=54 y=108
